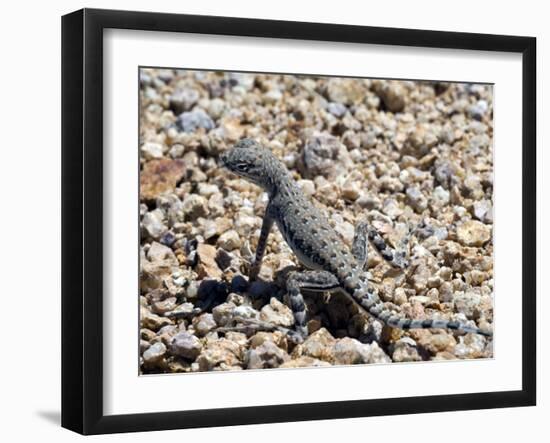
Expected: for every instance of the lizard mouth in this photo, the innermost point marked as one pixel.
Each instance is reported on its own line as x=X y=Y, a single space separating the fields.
x=223 y=159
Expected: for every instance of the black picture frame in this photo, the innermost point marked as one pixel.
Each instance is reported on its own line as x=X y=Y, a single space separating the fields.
x=82 y=218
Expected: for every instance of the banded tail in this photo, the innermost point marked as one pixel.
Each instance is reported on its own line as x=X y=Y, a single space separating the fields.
x=360 y=292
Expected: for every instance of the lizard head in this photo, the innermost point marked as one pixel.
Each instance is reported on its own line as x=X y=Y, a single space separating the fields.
x=250 y=160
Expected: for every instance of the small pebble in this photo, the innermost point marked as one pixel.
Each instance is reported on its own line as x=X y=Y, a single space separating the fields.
x=154 y=353
x=186 y=345
x=192 y=121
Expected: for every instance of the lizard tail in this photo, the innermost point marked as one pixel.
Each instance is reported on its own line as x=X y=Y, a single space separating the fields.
x=374 y=306
x=395 y=321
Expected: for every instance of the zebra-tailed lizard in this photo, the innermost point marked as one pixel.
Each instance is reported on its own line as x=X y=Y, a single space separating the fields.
x=332 y=265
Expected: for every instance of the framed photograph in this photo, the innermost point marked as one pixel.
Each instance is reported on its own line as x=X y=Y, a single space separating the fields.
x=269 y=221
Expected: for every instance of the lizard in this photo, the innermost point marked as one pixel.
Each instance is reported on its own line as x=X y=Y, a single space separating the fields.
x=331 y=264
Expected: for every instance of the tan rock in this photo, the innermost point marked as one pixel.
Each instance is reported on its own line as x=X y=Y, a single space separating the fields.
x=222 y=354
x=267 y=355
x=347 y=351
x=319 y=345
x=405 y=350
x=392 y=93
x=277 y=313
x=204 y=323
x=161 y=307
x=346 y=91
x=229 y=240
x=195 y=206
x=473 y=233
x=159 y=176
x=261 y=337
x=223 y=224
x=435 y=343
x=161 y=253
x=232 y=128
x=207 y=266
x=152 y=321
x=351 y=191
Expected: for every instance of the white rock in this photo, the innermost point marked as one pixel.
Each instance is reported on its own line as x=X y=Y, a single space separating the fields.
x=229 y=240
x=277 y=313
x=186 y=345
x=151 y=150
x=195 y=206
x=153 y=223
x=159 y=252
x=307 y=186
x=154 y=353
x=473 y=233
x=207 y=189
x=267 y=355
x=273 y=96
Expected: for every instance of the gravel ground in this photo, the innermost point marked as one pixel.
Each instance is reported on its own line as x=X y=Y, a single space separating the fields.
x=400 y=154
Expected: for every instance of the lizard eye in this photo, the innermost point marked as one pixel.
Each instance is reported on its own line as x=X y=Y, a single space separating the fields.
x=243 y=167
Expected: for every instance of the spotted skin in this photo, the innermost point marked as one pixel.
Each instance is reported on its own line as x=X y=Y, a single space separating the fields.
x=317 y=245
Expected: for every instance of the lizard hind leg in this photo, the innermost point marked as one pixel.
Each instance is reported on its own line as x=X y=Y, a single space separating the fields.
x=296 y=282
x=365 y=233
x=308 y=280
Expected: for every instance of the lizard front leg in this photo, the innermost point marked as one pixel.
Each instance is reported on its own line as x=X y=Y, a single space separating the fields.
x=267 y=224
